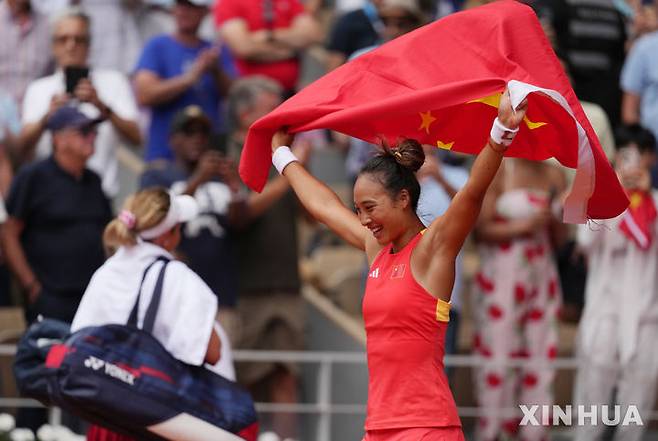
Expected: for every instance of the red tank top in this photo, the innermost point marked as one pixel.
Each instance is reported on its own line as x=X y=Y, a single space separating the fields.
x=405 y=329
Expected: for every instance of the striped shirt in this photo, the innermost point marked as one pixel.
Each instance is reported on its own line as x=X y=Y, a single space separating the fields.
x=25 y=52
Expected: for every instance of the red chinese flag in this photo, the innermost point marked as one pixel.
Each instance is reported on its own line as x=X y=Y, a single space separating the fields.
x=638 y=222
x=441 y=85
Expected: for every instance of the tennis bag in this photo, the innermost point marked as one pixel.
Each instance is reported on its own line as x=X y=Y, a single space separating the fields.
x=30 y=369
x=122 y=378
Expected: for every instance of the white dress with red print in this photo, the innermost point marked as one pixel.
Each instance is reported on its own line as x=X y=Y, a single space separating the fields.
x=517 y=297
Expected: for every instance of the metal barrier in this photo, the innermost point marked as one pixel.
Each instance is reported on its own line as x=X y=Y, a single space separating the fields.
x=323 y=406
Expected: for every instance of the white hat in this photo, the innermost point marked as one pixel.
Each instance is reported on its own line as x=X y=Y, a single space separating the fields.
x=182 y=208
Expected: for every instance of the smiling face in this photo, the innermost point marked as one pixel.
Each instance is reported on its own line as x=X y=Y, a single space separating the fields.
x=378 y=211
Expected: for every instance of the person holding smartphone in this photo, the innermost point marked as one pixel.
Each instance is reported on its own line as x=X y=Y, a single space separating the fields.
x=201 y=170
x=104 y=94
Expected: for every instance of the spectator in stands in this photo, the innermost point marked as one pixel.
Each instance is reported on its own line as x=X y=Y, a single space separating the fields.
x=592 y=37
x=105 y=94
x=24 y=47
x=517 y=294
x=9 y=128
x=357 y=29
x=49 y=7
x=266 y=37
x=202 y=171
x=175 y=71
x=345 y=6
x=618 y=330
x=639 y=82
x=645 y=17
x=115 y=38
x=269 y=301
x=57 y=212
x=5 y=297
x=154 y=18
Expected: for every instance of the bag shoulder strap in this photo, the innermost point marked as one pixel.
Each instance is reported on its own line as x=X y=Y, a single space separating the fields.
x=157 y=292
x=152 y=310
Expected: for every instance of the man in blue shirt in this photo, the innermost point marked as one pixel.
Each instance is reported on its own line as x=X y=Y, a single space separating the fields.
x=178 y=70
x=639 y=81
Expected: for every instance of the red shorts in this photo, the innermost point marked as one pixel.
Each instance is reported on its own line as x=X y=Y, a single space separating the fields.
x=452 y=433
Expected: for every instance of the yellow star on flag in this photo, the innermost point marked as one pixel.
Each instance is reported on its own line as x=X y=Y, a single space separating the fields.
x=427 y=120
x=491 y=100
x=533 y=125
x=636 y=200
x=494 y=101
x=445 y=146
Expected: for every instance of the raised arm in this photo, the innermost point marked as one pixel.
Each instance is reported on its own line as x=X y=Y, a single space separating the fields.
x=448 y=233
x=319 y=200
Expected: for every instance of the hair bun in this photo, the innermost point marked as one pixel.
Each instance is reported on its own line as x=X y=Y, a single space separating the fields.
x=409 y=154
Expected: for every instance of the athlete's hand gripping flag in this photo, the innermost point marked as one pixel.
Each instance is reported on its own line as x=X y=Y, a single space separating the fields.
x=441 y=84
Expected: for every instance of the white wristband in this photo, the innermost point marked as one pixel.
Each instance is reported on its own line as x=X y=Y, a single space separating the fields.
x=282 y=157
x=501 y=134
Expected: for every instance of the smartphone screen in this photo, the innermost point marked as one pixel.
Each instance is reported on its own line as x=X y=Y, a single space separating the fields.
x=73 y=75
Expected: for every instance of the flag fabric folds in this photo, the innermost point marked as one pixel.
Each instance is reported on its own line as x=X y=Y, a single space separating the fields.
x=441 y=84
x=637 y=223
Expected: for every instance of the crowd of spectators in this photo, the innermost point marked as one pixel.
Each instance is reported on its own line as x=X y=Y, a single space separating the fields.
x=179 y=82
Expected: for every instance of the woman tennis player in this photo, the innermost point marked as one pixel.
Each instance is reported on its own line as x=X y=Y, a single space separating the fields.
x=412 y=271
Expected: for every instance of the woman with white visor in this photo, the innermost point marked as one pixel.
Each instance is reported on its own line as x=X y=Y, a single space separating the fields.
x=146 y=229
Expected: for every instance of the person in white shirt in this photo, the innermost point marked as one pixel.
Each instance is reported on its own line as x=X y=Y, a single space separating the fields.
x=148 y=227
x=617 y=334
x=105 y=94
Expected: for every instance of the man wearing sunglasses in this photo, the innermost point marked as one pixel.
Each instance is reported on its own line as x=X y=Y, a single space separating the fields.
x=103 y=93
x=57 y=213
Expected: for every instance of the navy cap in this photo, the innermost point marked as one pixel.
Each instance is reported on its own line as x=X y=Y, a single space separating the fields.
x=69 y=117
